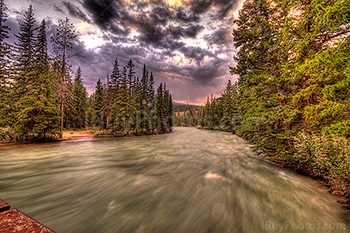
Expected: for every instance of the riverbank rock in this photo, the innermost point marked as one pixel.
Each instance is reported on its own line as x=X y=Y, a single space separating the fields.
x=338 y=193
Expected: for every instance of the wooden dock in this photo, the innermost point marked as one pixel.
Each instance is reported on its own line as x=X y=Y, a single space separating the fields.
x=13 y=220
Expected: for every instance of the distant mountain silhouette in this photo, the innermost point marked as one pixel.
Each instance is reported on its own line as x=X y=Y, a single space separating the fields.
x=177 y=103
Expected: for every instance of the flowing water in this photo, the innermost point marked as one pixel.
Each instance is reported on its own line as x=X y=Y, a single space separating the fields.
x=188 y=181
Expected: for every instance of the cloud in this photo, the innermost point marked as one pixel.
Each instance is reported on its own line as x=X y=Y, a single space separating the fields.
x=103 y=11
x=222 y=36
x=74 y=11
x=223 y=7
x=188 y=46
x=193 y=31
x=185 y=16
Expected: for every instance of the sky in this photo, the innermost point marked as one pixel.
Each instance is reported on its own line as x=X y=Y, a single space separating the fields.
x=185 y=43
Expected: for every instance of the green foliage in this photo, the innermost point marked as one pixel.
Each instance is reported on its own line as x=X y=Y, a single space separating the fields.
x=35 y=112
x=79 y=101
x=8 y=135
x=329 y=156
x=5 y=51
x=341 y=129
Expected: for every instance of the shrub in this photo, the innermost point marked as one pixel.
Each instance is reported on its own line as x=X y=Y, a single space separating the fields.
x=8 y=135
x=331 y=156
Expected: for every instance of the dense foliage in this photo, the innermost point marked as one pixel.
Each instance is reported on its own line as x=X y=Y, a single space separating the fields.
x=39 y=98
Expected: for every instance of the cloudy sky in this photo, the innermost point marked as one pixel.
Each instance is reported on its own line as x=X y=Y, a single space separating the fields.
x=185 y=43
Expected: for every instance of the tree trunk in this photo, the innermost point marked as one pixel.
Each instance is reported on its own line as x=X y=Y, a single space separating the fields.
x=62 y=114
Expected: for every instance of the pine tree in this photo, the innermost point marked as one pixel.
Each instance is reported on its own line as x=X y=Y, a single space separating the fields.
x=125 y=105
x=162 y=109
x=24 y=58
x=22 y=73
x=98 y=104
x=4 y=67
x=115 y=76
x=143 y=101
x=107 y=103
x=80 y=101
x=99 y=96
x=37 y=112
x=115 y=81
x=62 y=43
x=170 y=113
x=4 y=29
x=25 y=47
x=130 y=67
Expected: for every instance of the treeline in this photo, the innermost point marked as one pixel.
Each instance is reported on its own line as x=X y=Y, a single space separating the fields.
x=129 y=105
x=292 y=97
x=39 y=98
x=187 y=115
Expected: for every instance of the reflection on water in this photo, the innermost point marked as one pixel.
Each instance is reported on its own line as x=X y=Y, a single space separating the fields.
x=188 y=181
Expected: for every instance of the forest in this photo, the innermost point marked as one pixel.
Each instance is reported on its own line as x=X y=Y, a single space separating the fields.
x=292 y=97
x=40 y=95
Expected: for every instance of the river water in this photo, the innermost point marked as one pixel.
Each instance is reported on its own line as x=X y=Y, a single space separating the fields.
x=188 y=181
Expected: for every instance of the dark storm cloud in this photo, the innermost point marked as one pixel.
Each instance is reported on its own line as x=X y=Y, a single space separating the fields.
x=195 y=53
x=151 y=34
x=193 y=31
x=182 y=16
x=206 y=74
x=175 y=32
x=221 y=36
x=111 y=15
x=189 y=32
x=103 y=11
x=161 y=15
x=75 y=11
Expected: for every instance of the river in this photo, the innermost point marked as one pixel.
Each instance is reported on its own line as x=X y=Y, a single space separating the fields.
x=188 y=181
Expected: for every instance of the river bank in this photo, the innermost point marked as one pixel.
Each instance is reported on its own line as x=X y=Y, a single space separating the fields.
x=74 y=134
x=67 y=135
x=342 y=195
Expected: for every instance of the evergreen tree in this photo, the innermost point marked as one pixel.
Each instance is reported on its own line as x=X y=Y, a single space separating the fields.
x=160 y=109
x=99 y=96
x=98 y=104
x=130 y=67
x=25 y=47
x=124 y=105
x=37 y=112
x=24 y=61
x=62 y=43
x=143 y=100
x=170 y=112
x=115 y=77
x=4 y=67
x=107 y=103
x=4 y=29
x=80 y=101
